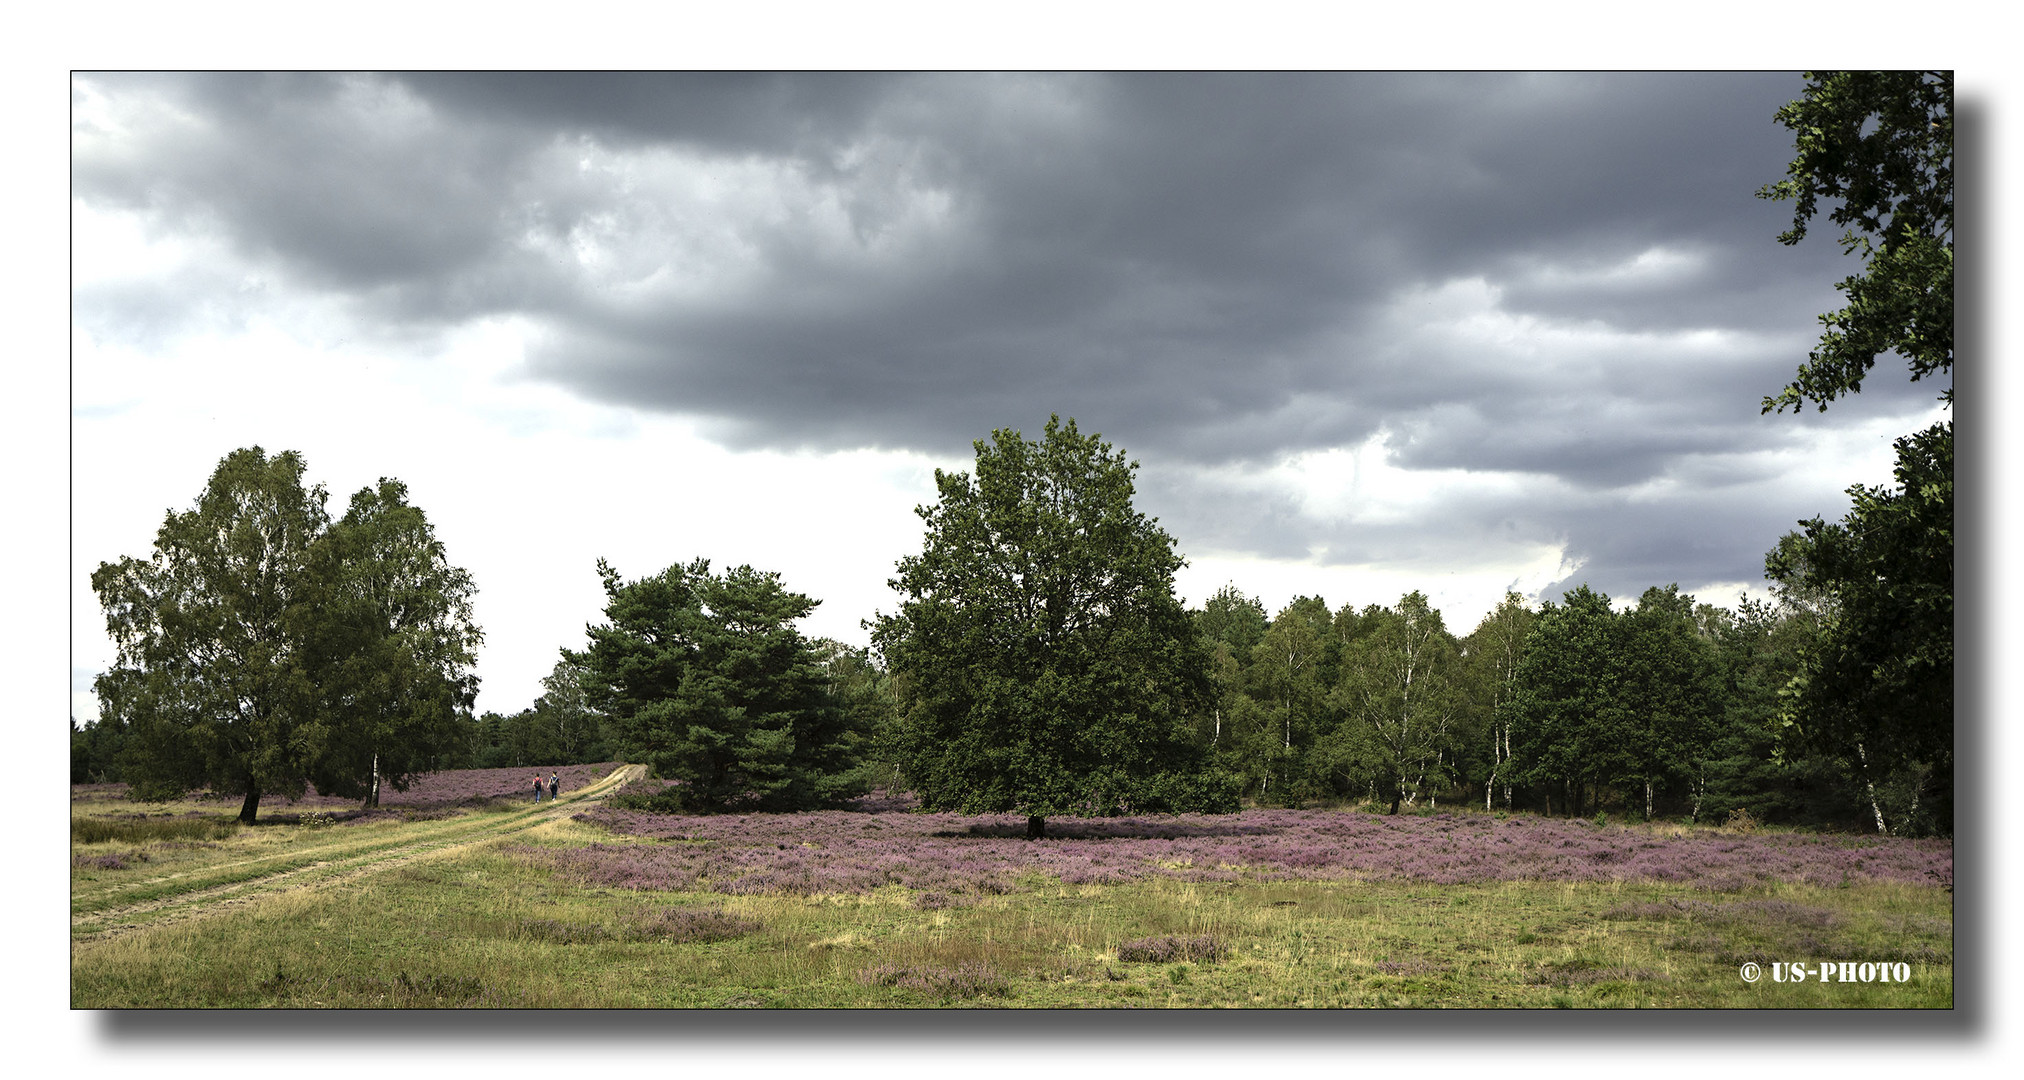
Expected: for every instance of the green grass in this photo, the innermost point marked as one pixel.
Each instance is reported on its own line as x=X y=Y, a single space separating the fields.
x=99 y=830
x=482 y=927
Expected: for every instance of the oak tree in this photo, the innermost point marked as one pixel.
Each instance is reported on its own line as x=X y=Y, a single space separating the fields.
x=1053 y=670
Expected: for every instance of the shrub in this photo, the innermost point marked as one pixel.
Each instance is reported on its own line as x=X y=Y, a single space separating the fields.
x=689 y=924
x=1166 y=949
x=141 y=830
x=562 y=933
x=118 y=860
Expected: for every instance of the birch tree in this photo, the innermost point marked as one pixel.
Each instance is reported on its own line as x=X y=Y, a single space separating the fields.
x=1492 y=651
x=1400 y=696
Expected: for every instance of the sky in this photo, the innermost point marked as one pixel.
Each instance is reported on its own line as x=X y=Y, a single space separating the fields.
x=1364 y=333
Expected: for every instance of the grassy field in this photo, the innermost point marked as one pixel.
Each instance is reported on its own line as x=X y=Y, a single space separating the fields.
x=494 y=905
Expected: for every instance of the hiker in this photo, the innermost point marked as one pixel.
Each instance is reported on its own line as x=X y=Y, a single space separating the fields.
x=554 y=785
x=537 y=787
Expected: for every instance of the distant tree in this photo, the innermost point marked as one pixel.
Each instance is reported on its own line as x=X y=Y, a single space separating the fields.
x=705 y=678
x=1758 y=647
x=1400 y=696
x=1289 y=674
x=1492 y=653
x=1563 y=702
x=1054 y=671
x=498 y=742
x=576 y=731
x=94 y=752
x=870 y=697
x=1671 y=695
x=1232 y=618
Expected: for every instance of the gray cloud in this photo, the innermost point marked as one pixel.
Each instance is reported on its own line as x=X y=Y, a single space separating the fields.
x=1212 y=270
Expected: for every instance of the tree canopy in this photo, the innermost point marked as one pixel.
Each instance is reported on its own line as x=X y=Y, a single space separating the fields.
x=1053 y=670
x=1878 y=145
x=260 y=647
x=1401 y=697
x=705 y=678
x=388 y=622
x=1876 y=687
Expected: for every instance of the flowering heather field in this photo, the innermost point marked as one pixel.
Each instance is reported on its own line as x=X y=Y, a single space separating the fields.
x=855 y=851
x=435 y=792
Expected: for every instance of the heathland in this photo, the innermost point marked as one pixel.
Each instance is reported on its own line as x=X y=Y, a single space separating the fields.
x=463 y=892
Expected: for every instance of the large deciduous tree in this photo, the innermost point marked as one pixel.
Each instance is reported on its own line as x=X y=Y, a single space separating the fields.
x=705 y=678
x=259 y=647
x=388 y=623
x=1878 y=687
x=1053 y=670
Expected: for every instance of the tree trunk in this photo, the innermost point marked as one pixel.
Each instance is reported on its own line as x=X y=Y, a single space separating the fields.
x=1507 y=760
x=1036 y=827
x=252 y=804
x=1870 y=786
x=1648 y=800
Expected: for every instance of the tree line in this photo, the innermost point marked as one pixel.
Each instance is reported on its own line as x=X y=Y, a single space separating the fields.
x=1039 y=663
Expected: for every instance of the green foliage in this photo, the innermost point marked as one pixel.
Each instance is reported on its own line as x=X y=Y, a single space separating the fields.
x=1875 y=691
x=388 y=622
x=1491 y=654
x=560 y=728
x=1402 y=700
x=705 y=678
x=1876 y=688
x=1630 y=700
x=1671 y=683
x=1880 y=146
x=1289 y=676
x=1233 y=619
x=871 y=698
x=95 y=750
x=261 y=646
x=1563 y=698
x=1054 y=672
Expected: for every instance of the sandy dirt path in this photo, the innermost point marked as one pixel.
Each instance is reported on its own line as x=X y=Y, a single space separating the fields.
x=452 y=835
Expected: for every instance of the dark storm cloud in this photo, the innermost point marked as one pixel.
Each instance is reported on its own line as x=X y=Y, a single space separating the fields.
x=1209 y=269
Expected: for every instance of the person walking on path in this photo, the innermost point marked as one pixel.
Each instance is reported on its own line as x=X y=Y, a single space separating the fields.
x=554 y=785
x=537 y=787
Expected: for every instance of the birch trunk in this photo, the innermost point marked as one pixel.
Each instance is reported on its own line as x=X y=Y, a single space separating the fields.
x=1870 y=786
